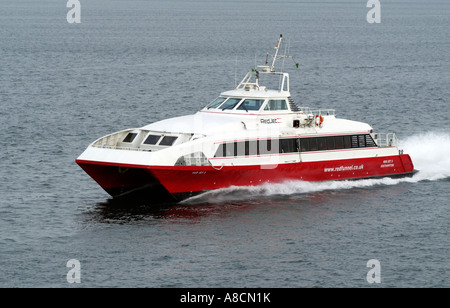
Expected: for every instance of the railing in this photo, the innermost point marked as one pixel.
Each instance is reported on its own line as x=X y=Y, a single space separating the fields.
x=322 y=112
x=386 y=140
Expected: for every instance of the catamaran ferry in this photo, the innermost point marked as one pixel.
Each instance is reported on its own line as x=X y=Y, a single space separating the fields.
x=247 y=136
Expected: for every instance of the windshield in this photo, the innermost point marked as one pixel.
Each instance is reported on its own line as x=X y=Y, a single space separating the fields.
x=215 y=103
x=251 y=104
x=230 y=103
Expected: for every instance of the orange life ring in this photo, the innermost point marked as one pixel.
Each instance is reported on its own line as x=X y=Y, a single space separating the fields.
x=319 y=120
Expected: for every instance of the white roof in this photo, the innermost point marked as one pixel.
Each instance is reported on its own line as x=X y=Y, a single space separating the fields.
x=262 y=93
x=200 y=123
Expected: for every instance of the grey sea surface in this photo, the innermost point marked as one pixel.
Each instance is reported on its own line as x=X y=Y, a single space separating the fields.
x=131 y=63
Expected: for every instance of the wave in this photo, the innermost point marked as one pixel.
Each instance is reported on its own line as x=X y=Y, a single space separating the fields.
x=430 y=153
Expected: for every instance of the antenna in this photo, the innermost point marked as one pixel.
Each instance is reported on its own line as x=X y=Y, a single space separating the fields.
x=277 y=47
x=246 y=83
x=235 y=72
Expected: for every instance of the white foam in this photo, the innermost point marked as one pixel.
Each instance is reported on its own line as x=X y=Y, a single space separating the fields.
x=430 y=153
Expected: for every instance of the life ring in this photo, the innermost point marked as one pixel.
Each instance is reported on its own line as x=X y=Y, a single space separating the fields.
x=319 y=120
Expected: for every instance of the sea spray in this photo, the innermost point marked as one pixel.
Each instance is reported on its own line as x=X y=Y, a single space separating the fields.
x=430 y=153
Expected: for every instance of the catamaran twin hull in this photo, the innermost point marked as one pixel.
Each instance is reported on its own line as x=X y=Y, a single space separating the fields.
x=161 y=183
x=247 y=136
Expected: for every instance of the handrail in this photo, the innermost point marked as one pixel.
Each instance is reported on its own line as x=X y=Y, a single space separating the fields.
x=322 y=112
x=386 y=139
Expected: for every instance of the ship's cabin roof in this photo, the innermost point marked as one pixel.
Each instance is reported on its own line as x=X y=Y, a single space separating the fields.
x=253 y=102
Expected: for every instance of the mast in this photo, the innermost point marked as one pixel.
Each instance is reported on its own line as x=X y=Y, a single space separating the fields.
x=277 y=48
x=246 y=83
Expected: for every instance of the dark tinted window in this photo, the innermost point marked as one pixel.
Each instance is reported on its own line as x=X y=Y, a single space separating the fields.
x=347 y=142
x=322 y=143
x=289 y=145
x=130 y=137
x=304 y=145
x=330 y=143
x=313 y=144
x=152 y=139
x=336 y=142
x=168 y=140
x=339 y=142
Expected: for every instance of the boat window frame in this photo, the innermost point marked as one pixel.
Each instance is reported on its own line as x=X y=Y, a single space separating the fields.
x=336 y=142
x=152 y=134
x=130 y=137
x=276 y=110
x=167 y=136
x=234 y=106
x=251 y=99
x=217 y=98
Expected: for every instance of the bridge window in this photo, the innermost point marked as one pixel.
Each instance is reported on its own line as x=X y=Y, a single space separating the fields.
x=230 y=103
x=274 y=105
x=251 y=104
x=216 y=102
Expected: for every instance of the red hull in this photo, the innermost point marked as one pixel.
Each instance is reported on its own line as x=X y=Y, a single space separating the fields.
x=183 y=181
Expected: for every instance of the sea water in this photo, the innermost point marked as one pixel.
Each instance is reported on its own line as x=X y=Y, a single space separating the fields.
x=130 y=63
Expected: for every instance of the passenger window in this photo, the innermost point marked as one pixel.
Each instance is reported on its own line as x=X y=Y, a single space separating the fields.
x=313 y=144
x=330 y=143
x=361 y=141
x=220 y=151
x=130 y=137
x=268 y=146
x=229 y=149
x=288 y=145
x=152 y=139
x=370 y=142
x=168 y=140
x=240 y=148
x=347 y=142
x=304 y=145
x=339 y=142
x=322 y=143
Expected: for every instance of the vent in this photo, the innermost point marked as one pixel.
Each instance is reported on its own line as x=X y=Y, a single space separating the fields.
x=293 y=105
